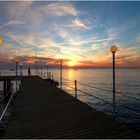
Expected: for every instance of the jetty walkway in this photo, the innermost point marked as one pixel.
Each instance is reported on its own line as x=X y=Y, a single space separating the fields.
x=42 y=110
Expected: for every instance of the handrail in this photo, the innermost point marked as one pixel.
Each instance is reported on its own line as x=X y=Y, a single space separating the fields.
x=120 y=107
x=118 y=92
x=68 y=86
x=94 y=87
x=121 y=93
x=3 y=113
x=95 y=97
x=3 y=98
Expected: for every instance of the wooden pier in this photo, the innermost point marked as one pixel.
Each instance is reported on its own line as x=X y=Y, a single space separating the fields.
x=41 y=110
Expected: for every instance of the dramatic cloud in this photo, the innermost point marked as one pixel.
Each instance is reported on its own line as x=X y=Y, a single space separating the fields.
x=18 y=9
x=82 y=32
x=59 y=9
x=12 y=22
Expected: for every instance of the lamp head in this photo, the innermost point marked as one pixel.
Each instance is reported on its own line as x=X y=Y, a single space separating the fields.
x=113 y=48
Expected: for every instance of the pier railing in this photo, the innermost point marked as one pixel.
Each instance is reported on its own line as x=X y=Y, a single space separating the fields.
x=118 y=112
x=5 y=102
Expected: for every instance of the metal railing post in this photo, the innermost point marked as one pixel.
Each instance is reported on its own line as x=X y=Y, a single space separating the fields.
x=114 y=100
x=61 y=74
x=16 y=74
x=75 y=83
x=47 y=71
x=41 y=69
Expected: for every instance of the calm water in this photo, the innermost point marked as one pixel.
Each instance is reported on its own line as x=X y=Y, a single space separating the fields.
x=127 y=86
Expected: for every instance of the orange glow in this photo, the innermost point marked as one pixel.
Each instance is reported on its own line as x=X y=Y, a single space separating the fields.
x=1 y=41
x=113 y=48
x=74 y=61
x=70 y=64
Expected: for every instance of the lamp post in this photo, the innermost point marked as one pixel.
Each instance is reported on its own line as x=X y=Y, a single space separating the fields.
x=36 y=59
x=16 y=74
x=20 y=66
x=47 y=70
x=61 y=73
x=113 y=50
x=1 y=42
x=41 y=66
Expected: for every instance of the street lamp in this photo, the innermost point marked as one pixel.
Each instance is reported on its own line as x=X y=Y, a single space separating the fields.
x=47 y=70
x=1 y=42
x=61 y=60
x=113 y=50
x=16 y=73
x=20 y=64
x=36 y=59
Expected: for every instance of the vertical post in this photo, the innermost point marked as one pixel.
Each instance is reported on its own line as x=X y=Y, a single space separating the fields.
x=61 y=74
x=113 y=78
x=113 y=50
x=36 y=59
x=21 y=70
x=47 y=71
x=41 y=69
x=114 y=100
x=8 y=84
x=75 y=83
x=4 y=87
x=20 y=67
x=16 y=74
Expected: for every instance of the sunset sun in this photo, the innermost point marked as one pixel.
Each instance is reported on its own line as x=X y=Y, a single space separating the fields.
x=71 y=64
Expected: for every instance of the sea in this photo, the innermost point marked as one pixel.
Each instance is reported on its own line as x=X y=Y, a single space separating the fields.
x=94 y=87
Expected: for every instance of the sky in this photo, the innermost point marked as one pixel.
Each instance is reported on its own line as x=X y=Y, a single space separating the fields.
x=81 y=33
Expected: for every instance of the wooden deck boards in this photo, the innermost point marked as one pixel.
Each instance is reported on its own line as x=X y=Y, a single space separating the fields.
x=44 y=111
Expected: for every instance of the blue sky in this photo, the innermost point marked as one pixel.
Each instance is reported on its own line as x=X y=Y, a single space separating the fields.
x=79 y=32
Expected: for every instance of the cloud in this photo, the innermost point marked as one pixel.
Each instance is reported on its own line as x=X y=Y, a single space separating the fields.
x=78 y=23
x=59 y=9
x=18 y=9
x=138 y=39
x=115 y=31
x=86 y=41
x=11 y=22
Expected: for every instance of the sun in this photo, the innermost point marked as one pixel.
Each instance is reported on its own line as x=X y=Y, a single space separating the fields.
x=71 y=64
x=73 y=61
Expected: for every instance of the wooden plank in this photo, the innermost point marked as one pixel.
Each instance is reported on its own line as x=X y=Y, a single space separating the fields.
x=44 y=111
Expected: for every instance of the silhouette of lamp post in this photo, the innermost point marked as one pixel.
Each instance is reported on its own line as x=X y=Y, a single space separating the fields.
x=61 y=60
x=16 y=73
x=47 y=70
x=1 y=42
x=20 y=64
x=113 y=50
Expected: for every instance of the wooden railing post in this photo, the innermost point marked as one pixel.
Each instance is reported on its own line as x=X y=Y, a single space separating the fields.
x=75 y=83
